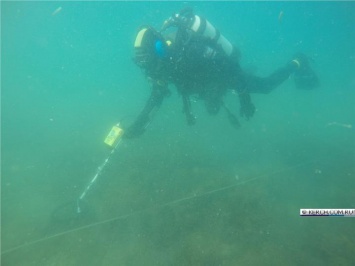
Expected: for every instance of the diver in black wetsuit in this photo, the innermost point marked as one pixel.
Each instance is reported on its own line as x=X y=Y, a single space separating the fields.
x=200 y=61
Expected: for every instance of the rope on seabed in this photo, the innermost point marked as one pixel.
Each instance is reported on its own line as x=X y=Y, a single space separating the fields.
x=154 y=207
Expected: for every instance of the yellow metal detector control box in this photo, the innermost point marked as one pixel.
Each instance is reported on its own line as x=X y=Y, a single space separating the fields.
x=114 y=135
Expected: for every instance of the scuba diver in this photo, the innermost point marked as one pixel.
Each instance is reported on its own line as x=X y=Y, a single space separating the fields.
x=192 y=54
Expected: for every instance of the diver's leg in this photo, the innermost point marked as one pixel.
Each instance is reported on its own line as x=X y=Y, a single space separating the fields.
x=265 y=85
x=304 y=76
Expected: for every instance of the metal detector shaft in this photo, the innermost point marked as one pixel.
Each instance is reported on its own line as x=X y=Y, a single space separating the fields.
x=93 y=180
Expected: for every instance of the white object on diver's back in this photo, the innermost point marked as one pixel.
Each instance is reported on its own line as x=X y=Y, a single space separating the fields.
x=210 y=32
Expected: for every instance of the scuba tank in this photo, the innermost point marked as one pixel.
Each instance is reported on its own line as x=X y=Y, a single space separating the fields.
x=207 y=30
x=202 y=27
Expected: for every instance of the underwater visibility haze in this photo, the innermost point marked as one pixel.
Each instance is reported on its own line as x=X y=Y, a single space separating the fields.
x=207 y=194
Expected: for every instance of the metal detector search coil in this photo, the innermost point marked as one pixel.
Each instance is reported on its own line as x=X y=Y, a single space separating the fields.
x=115 y=133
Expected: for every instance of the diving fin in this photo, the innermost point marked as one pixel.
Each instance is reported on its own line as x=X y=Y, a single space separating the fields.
x=305 y=77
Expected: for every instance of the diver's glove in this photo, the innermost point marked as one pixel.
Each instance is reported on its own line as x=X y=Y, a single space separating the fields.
x=247 y=108
x=137 y=128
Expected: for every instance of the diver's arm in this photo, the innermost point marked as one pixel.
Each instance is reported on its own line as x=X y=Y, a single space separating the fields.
x=247 y=108
x=158 y=93
x=241 y=83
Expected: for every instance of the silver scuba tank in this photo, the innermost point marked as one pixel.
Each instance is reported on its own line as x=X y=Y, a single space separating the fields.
x=203 y=27
x=207 y=30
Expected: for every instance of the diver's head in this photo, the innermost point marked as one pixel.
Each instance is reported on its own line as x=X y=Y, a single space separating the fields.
x=150 y=47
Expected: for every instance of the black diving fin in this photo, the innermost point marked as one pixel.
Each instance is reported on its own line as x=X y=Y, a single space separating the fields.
x=305 y=77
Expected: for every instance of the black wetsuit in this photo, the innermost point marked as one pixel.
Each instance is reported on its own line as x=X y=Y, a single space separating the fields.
x=197 y=66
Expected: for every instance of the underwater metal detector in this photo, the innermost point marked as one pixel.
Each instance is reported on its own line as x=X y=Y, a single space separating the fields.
x=76 y=213
x=113 y=139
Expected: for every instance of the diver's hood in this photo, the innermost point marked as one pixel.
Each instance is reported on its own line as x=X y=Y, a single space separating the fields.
x=149 y=47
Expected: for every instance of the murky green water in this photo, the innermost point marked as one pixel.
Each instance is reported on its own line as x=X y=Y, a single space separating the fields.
x=178 y=195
